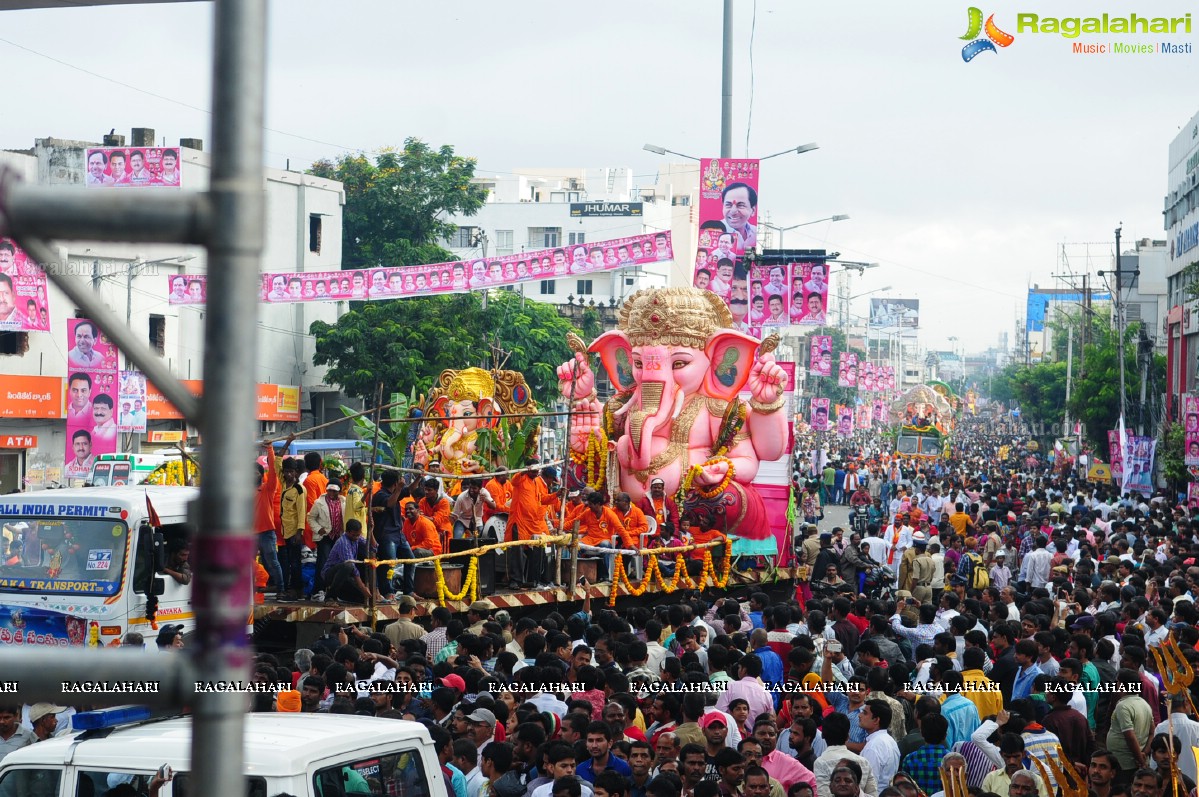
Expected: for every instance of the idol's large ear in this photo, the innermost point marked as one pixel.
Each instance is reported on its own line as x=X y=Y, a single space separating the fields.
x=732 y=356
x=616 y=353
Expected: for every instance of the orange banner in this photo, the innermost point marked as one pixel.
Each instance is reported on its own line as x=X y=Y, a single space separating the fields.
x=275 y=402
x=31 y=397
x=18 y=441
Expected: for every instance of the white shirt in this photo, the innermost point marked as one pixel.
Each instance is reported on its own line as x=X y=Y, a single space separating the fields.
x=547 y=789
x=883 y=754
x=1187 y=731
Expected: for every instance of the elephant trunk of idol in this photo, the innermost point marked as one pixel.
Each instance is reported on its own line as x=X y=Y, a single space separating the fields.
x=650 y=415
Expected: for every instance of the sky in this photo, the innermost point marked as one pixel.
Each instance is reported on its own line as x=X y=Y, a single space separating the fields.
x=962 y=180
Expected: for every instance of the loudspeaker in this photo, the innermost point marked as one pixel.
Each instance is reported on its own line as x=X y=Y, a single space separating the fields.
x=486 y=564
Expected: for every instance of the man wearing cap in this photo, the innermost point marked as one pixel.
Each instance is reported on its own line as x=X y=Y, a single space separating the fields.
x=477 y=614
x=659 y=505
x=405 y=627
x=326 y=520
x=924 y=569
x=906 y=580
x=13 y=735
x=482 y=729
x=1001 y=574
x=43 y=717
x=170 y=637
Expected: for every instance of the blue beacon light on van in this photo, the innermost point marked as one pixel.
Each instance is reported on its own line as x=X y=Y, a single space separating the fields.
x=109 y=717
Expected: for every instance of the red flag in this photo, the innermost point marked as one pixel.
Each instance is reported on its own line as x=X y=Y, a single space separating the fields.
x=155 y=521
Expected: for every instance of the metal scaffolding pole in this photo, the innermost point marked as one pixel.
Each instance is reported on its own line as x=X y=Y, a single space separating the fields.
x=229 y=219
x=224 y=549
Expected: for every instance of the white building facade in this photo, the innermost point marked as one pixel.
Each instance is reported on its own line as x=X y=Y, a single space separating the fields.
x=303 y=233
x=532 y=209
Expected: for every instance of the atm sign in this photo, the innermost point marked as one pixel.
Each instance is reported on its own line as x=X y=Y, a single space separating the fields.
x=18 y=441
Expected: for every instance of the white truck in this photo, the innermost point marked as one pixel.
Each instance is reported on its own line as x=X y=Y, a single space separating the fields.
x=305 y=755
x=78 y=566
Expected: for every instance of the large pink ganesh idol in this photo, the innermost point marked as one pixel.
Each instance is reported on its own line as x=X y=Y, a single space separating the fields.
x=677 y=368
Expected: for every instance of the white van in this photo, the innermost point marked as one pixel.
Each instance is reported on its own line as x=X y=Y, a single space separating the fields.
x=306 y=755
x=77 y=567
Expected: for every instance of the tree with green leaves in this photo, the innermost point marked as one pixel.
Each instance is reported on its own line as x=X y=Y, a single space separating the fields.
x=407 y=343
x=396 y=203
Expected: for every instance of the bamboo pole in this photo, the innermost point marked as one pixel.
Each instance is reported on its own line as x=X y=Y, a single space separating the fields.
x=370 y=515
x=574 y=558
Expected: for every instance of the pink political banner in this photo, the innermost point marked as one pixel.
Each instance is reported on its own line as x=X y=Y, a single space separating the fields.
x=862 y=417
x=397 y=282
x=23 y=302
x=131 y=401
x=866 y=377
x=811 y=281
x=133 y=167
x=728 y=207
x=91 y=398
x=844 y=421
x=820 y=419
x=1193 y=495
x=1116 y=455
x=820 y=355
x=847 y=370
x=187 y=289
x=880 y=412
x=769 y=296
x=1191 y=404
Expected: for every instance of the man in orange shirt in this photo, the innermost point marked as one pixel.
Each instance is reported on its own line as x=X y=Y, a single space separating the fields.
x=500 y=491
x=436 y=507
x=598 y=524
x=315 y=485
x=526 y=520
x=266 y=517
x=633 y=519
x=421 y=533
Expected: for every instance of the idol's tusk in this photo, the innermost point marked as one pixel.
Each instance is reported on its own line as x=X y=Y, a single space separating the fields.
x=678 y=405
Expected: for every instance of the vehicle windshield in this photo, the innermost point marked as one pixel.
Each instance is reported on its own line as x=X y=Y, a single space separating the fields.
x=76 y=556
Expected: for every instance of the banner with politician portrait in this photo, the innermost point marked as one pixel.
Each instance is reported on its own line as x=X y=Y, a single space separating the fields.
x=862 y=415
x=820 y=358
x=1138 y=464
x=91 y=398
x=23 y=303
x=880 y=412
x=769 y=299
x=847 y=370
x=1191 y=403
x=187 y=289
x=810 y=284
x=728 y=207
x=1116 y=455
x=866 y=377
x=895 y=313
x=398 y=282
x=131 y=401
x=844 y=421
x=133 y=167
x=1192 y=495
x=820 y=419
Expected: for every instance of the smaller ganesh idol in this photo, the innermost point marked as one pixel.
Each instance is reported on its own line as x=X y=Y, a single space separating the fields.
x=467 y=405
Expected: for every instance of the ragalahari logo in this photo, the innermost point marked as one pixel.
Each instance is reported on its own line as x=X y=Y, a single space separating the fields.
x=994 y=35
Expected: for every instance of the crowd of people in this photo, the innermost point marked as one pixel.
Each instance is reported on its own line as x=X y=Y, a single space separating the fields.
x=1017 y=651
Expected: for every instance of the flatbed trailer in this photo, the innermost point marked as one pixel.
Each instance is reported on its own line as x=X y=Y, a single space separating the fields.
x=289 y=625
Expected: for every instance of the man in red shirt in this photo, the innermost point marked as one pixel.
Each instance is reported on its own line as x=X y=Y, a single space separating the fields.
x=659 y=505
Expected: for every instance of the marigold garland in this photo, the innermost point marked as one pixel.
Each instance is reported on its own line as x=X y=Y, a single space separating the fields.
x=653 y=572
x=470 y=584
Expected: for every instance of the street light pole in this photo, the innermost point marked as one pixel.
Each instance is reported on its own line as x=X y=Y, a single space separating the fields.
x=726 y=84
